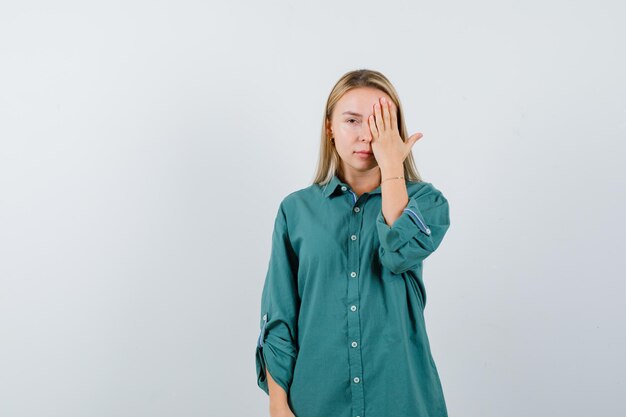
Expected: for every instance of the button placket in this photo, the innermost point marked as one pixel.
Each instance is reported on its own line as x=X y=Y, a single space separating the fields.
x=353 y=302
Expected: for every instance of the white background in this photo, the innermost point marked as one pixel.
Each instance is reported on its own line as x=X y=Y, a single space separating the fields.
x=145 y=146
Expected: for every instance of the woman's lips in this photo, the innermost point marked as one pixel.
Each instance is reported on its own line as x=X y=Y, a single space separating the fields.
x=364 y=154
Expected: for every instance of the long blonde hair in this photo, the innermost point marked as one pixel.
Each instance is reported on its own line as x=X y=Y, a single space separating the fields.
x=329 y=160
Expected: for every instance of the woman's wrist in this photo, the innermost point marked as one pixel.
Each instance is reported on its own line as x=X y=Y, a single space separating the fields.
x=391 y=171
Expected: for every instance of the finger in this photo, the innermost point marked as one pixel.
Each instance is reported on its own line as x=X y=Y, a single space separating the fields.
x=394 y=116
x=413 y=138
x=380 y=124
x=386 y=113
x=372 y=125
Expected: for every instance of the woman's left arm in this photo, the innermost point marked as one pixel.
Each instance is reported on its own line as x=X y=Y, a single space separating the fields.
x=410 y=227
x=417 y=232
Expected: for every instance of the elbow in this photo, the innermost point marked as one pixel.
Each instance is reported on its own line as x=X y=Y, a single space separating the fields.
x=400 y=261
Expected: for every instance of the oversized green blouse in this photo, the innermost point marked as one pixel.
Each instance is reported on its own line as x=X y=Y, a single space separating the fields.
x=342 y=324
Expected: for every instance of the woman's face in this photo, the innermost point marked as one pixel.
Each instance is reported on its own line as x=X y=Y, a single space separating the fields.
x=350 y=128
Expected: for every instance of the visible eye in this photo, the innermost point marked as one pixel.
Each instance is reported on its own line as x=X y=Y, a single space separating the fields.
x=350 y=120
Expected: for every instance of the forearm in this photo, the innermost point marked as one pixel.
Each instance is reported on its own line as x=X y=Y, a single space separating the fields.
x=394 y=194
x=278 y=396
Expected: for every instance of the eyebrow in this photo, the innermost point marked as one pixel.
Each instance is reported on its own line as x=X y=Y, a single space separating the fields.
x=352 y=113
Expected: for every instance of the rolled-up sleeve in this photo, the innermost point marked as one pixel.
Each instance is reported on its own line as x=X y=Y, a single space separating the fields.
x=277 y=349
x=418 y=231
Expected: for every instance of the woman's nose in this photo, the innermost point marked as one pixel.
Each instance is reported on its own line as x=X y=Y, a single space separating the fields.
x=366 y=133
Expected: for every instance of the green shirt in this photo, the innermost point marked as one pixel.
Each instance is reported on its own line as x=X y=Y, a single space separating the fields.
x=342 y=324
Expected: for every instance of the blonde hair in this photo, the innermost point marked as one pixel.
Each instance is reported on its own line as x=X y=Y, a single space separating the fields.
x=329 y=161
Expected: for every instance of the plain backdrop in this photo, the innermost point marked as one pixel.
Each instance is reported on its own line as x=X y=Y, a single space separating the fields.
x=145 y=147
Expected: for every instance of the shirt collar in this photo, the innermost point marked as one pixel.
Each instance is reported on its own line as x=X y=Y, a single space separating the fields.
x=335 y=183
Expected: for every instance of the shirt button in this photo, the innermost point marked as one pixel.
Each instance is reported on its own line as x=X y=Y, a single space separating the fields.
x=353 y=274
x=353 y=237
x=354 y=344
x=427 y=231
x=357 y=209
x=353 y=308
x=264 y=316
x=356 y=379
x=343 y=188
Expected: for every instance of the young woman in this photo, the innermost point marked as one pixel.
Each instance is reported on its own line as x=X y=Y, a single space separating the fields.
x=342 y=324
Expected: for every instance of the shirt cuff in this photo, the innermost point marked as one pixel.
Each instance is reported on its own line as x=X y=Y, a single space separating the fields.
x=275 y=353
x=410 y=223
